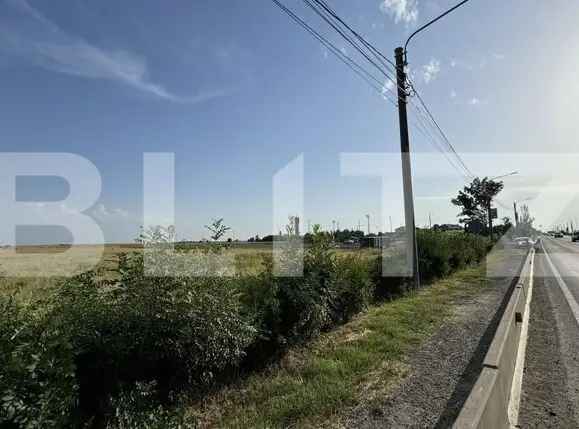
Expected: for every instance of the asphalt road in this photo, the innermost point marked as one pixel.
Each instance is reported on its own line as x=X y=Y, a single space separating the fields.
x=550 y=391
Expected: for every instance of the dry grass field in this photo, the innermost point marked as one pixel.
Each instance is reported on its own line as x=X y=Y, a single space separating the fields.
x=28 y=272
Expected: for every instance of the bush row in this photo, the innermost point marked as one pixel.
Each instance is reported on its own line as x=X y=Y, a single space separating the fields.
x=93 y=344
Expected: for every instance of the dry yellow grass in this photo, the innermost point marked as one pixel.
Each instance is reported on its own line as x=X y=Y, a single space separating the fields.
x=28 y=272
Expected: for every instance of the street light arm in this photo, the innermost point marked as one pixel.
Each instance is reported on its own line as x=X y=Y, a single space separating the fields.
x=432 y=22
x=512 y=173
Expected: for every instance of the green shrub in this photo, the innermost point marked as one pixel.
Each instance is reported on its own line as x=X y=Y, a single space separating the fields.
x=294 y=309
x=441 y=253
x=388 y=283
x=466 y=249
x=174 y=331
x=290 y=309
x=37 y=373
x=120 y=348
x=433 y=254
x=138 y=407
x=354 y=287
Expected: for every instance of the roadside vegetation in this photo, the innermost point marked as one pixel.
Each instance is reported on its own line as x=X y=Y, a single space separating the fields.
x=129 y=351
x=359 y=362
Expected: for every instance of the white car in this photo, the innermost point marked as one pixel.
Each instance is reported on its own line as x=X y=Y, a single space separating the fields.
x=523 y=241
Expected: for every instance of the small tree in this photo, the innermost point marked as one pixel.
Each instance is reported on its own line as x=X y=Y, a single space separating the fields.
x=475 y=200
x=217 y=228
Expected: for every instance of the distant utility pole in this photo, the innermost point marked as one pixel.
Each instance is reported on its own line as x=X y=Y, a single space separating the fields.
x=429 y=221
x=490 y=216
x=390 y=219
x=368 y=219
x=411 y=248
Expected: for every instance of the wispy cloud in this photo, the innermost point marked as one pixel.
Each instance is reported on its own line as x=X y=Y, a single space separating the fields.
x=405 y=11
x=45 y=44
x=476 y=62
x=102 y=212
x=430 y=71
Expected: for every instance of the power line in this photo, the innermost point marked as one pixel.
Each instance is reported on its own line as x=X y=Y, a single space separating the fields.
x=442 y=133
x=368 y=77
x=372 y=50
x=383 y=59
x=322 y=9
x=427 y=132
x=345 y=37
x=380 y=56
x=438 y=143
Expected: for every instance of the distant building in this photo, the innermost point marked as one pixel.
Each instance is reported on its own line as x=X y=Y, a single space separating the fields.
x=379 y=241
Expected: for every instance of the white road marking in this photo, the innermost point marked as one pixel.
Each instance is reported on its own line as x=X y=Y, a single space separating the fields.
x=566 y=292
x=517 y=385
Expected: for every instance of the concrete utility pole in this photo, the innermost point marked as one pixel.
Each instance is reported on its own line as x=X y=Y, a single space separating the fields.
x=368 y=219
x=410 y=226
x=400 y=54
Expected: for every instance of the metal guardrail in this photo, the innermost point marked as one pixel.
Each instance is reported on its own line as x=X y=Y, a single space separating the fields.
x=488 y=403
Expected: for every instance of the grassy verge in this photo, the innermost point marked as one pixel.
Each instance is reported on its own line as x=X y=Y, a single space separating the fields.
x=315 y=385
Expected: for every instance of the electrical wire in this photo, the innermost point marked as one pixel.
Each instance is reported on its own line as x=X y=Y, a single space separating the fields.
x=383 y=59
x=387 y=63
x=368 y=77
x=427 y=125
x=419 y=121
x=327 y=14
x=441 y=132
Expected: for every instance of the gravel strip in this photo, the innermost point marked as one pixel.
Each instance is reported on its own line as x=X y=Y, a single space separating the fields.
x=446 y=366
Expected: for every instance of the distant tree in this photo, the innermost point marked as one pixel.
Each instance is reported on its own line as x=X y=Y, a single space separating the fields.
x=217 y=228
x=156 y=234
x=475 y=200
x=505 y=228
x=525 y=224
x=290 y=226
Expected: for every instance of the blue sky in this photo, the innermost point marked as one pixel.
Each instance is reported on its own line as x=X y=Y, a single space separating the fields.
x=237 y=91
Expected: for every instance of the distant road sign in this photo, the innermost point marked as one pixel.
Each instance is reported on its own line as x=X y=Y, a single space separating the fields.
x=494 y=213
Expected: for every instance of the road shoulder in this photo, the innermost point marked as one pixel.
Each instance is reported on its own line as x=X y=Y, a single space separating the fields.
x=445 y=367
